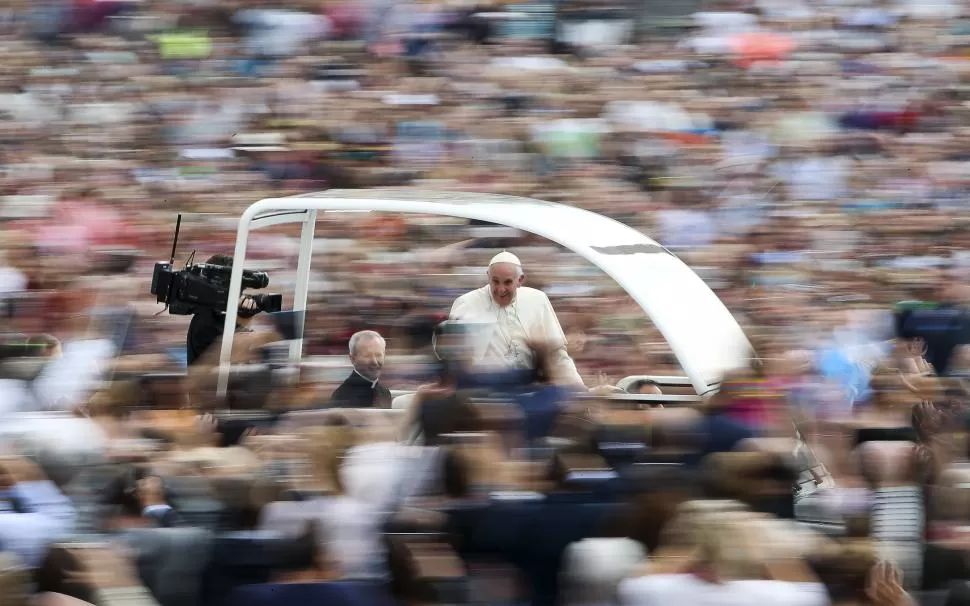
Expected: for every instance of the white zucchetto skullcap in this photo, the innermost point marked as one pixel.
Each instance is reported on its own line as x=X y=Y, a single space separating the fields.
x=505 y=257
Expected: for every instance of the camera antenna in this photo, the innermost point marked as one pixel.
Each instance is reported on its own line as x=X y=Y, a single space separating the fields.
x=175 y=241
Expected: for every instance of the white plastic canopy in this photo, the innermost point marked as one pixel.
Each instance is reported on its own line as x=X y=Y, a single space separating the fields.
x=701 y=332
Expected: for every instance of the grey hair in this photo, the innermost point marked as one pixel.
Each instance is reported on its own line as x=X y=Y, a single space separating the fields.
x=519 y=272
x=363 y=335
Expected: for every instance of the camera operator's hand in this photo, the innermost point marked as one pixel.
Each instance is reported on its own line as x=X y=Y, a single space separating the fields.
x=247 y=310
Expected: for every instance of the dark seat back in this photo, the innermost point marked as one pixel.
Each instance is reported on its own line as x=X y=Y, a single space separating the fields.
x=340 y=593
x=241 y=558
x=563 y=520
x=172 y=561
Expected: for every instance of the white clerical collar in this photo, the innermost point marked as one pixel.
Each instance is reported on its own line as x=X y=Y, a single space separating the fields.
x=509 y=307
x=373 y=382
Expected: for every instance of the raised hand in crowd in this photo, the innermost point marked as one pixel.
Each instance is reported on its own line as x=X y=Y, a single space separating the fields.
x=885 y=586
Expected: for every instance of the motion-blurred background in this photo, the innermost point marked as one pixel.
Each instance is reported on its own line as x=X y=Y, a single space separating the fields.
x=807 y=158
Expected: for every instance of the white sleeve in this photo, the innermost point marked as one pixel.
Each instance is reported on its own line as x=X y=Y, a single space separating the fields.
x=565 y=367
x=458 y=308
x=50 y=517
x=67 y=381
x=14 y=396
x=645 y=591
x=784 y=593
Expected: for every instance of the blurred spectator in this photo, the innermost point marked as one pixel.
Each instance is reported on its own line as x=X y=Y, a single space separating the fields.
x=806 y=159
x=36 y=513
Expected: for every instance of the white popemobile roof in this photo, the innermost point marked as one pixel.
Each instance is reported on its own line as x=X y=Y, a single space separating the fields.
x=701 y=332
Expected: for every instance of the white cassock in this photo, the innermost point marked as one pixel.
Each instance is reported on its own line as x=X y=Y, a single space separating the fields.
x=507 y=331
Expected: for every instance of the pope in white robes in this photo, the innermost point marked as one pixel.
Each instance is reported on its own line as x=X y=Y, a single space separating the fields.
x=513 y=317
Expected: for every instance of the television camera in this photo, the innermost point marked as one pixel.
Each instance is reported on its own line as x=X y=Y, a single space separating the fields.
x=204 y=286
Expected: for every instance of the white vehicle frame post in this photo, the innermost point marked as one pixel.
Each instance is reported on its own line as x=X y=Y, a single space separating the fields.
x=702 y=334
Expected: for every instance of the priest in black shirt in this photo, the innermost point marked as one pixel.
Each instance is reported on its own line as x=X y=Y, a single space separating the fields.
x=363 y=389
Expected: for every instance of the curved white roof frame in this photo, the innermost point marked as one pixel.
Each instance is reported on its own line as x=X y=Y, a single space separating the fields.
x=701 y=332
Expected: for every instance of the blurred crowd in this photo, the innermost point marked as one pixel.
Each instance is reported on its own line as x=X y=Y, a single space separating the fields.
x=807 y=158
x=152 y=492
